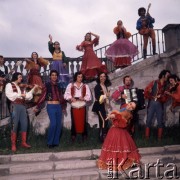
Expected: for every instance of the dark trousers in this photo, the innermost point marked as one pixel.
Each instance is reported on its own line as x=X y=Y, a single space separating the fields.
x=155 y=107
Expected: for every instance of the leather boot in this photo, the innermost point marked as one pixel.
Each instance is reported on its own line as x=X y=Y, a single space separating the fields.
x=147 y=133
x=101 y=134
x=13 y=141
x=144 y=53
x=23 y=143
x=160 y=131
x=154 y=50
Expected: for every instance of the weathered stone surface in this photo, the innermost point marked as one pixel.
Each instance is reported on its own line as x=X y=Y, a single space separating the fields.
x=31 y=157
x=4 y=170
x=73 y=155
x=76 y=164
x=81 y=175
x=4 y=159
x=173 y=148
x=96 y=152
x=152 y=150
x=31 y=168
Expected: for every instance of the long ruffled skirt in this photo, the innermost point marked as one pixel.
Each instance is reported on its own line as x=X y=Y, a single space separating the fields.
x=118 y=151
x=121 y=52
x=63 y=71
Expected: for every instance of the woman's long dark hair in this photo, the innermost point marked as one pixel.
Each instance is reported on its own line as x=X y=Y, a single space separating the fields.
x=15 y=76
x=107 y=81
x=76 y=75
x=37 y=57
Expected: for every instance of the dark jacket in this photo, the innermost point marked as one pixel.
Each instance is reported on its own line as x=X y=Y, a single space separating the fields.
x=98 y=91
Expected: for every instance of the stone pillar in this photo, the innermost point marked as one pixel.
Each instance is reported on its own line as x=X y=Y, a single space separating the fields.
x=172 y=36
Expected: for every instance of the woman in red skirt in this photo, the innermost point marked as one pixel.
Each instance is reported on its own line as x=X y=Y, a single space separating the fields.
x=119 y=150
x=91 y=64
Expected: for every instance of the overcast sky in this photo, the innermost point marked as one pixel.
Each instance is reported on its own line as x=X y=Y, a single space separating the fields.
x=26 y=24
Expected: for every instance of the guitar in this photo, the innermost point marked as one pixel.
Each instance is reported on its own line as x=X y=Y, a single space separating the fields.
x=145 y=30
x=7 y=77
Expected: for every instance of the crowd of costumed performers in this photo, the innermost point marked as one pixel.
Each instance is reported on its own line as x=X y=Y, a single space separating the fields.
x=115 y=127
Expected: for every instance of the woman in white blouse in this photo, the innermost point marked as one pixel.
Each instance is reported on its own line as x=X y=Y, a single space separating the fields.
x=78 y=93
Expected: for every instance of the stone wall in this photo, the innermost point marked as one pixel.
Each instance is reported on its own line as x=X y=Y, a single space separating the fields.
x=142 y=73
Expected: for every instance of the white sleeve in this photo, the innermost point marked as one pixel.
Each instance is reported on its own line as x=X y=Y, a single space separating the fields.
x=29 y=95
x=10 y=94
x=67 y=94
x=87 y=97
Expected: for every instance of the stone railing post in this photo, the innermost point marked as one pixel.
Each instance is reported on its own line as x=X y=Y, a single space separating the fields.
x=172 y=36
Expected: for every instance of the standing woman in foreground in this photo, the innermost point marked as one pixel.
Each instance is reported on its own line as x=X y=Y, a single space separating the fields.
x=91 y=65
x=59 y=61
x=119 y=151
x=101 y=102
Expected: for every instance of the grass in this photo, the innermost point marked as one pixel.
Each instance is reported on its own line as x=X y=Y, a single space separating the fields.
x=171 y=136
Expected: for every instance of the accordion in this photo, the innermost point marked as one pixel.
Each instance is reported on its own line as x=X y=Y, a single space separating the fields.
x=137 y=95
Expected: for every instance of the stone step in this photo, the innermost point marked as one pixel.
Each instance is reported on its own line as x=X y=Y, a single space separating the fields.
x=95 y=174
x=61 y=165
x=86 y=154
x=85 y=174
x=75 y=161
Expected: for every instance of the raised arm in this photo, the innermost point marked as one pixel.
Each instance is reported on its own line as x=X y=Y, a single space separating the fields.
x=50 y=45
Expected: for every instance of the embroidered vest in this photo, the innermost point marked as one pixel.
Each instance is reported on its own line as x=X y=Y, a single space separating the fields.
x=18 y=100
x=73 y=89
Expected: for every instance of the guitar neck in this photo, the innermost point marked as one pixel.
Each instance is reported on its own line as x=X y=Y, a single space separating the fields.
x=148 y=9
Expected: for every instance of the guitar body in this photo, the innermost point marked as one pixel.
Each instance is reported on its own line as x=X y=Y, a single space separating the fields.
x=144 y=31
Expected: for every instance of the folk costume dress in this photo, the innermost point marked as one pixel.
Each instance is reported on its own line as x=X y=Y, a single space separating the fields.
x=57 y=64
x=91 y=65
x=78 y=109
x=122 y=50
x=34 y=76
x=119 y=150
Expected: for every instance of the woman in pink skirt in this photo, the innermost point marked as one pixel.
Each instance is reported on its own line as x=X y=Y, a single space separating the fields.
x=122 y=50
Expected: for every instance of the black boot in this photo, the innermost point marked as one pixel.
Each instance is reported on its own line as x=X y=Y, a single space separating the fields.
x=101 y=135
x=144 y=53
x=154 y=50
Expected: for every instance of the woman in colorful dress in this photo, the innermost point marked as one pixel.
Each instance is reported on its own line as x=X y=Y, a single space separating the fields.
x=101 y=103
x=33 y=66
x=119 y=151
x=59 y=63
x=91 y=65
x=122 y=50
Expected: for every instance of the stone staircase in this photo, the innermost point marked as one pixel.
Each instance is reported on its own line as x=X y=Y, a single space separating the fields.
x=81 y=165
